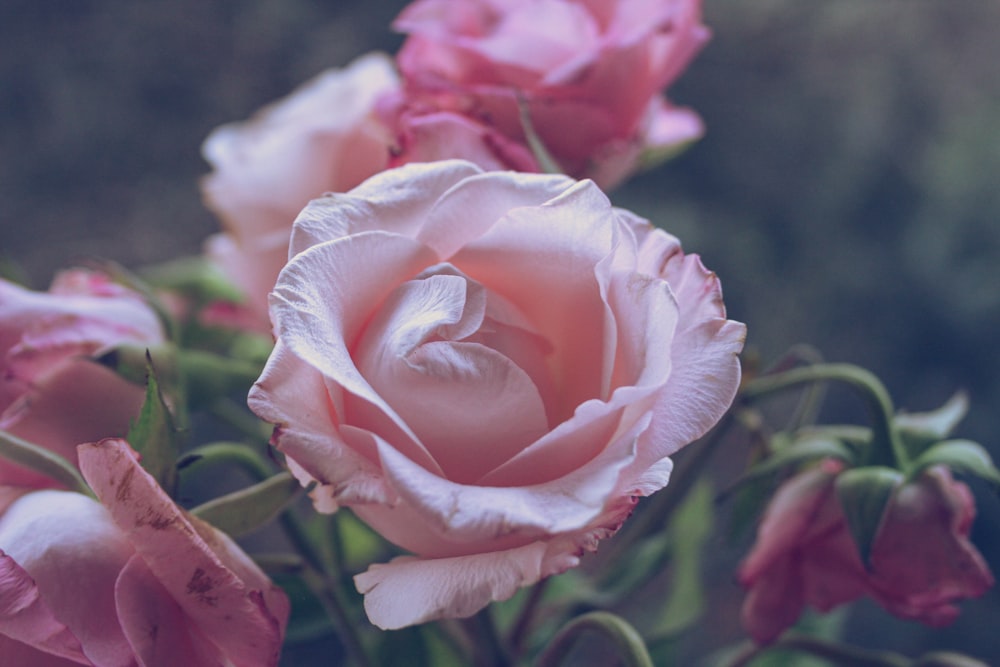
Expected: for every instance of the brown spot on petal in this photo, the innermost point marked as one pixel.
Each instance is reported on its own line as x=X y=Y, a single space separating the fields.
x=201 y=585
x=124 y=492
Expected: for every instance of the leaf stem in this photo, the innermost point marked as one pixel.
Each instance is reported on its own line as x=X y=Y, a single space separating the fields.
x=888 y=448
x=838 y=654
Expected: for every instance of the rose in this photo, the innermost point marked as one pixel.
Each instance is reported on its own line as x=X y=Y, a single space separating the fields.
x=488 y=368
x=921 y=561
x=426 y=134
x=589 y=74
x=323 y=137
x=127 y=579
x=51 y=392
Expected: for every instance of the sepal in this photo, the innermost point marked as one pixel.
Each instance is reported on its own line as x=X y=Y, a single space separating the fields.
x=864 y=494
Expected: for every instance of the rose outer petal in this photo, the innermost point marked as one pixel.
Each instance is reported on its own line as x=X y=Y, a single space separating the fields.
x=24 y=616
x=408 y=590
x=227 y=608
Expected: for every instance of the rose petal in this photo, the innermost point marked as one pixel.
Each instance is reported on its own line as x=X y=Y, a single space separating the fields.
x=494 y=408
x=396 y=200
x=25 y=616
x=454 y=518
x=323 y=300
x=198 y=575
x=294 y=396
x=156 y=627
x=408 y=590
x=68 y=544
x=557 y=245
x=17 y=653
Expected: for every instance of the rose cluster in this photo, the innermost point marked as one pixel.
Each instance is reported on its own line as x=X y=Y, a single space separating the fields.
x=481 y=80
x=486 y=364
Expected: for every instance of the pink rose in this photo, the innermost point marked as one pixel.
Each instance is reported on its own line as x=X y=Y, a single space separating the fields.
x=922 y=561
x=127 y=579
x=323 y=137
x=51 y=393
x=591 y=73
x=488 y=368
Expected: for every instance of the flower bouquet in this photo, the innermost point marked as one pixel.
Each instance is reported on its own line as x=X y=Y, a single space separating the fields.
x=434 y=395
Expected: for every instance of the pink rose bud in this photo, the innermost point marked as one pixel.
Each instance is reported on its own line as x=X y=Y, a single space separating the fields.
x=489 y=369
x=591 y=75
x=127 y=579
x=921 y=562
x=51 y=394
x=324 y=137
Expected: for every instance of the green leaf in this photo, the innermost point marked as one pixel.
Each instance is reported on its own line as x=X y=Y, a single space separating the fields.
x=154 y=435
x=806 y=447
x=689 y=530
x=248 y=509
x=921 y=430
x=864 y=495
x=962 y=456
x=42 y=461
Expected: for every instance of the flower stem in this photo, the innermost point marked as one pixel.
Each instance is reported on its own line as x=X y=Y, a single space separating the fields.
x=488 y=650
x=838 y=654
x=631 y=649
x=886 y=444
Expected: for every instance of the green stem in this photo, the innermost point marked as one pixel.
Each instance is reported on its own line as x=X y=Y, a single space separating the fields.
x=335 y=609
x=43 y=461
x=838 y=654
x=519 y=631
x=236 y=453
x=488 y=650
x=888 y=448
x=623 y=636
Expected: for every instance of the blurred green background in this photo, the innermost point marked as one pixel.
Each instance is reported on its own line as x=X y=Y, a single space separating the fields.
x=847 y=191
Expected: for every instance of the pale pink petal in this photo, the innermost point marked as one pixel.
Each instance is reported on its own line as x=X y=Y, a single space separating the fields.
x=324 y=299
x=557 y=245
x=407 y=591
x=412 y=348
x=68 y=544
x=229 y=610
x=295 y=397
x=395 y=201
x=454 y=518
x=320 y=138
x=473 y=206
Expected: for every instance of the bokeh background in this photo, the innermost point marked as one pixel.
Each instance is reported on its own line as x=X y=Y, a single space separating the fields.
x=847 y=191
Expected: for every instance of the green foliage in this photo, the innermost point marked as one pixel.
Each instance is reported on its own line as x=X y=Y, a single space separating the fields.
x=155 y=436
x=248 y=509
x=41 y=460
x=864 y=494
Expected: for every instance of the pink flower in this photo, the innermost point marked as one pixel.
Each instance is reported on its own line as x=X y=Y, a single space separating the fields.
x=127 y=579
x=51 y=393
x=323 y=137
x=591 y=73
x=922 y=561
x=489 y=369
